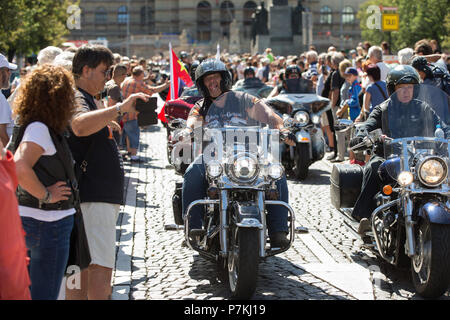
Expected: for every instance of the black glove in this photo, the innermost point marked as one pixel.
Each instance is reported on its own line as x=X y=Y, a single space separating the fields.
x=356 y=140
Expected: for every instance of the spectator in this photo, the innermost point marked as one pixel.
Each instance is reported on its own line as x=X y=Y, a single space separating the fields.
x=322 y=71
x=423 y=48
x=386 y=48
x=435 y=46
x=376 y=57
x=101 y=183
x=405 y=55
x=352 y=103
x=6 y=121
x=114 y=95
x=65 y=60
x=131 y=129
x=44 y=106
x=376 y=92
x=335 y=95
x=48 y=55
x=14 y=278
x=312 y=59
x=15 y=84
x=345 y=90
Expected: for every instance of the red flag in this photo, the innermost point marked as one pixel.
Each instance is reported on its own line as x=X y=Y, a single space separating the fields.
x=178 y=76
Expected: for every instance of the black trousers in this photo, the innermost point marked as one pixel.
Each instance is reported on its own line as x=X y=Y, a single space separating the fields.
x=330 y=118
x=371 y=185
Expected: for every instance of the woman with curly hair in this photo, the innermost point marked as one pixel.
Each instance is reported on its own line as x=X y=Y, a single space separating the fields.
x=44 y=106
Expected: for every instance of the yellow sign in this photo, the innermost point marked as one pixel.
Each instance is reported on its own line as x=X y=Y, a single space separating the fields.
x=390 y=22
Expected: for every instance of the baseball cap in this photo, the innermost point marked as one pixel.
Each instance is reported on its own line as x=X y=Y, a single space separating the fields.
x=351 y=70
x=4 y=63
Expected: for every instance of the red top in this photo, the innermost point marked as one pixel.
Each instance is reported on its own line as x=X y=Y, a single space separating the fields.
x=14 y=278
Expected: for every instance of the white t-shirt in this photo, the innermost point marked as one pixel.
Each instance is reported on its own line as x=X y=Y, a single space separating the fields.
x=38 y=133
x=6 y=115
x=384 y=70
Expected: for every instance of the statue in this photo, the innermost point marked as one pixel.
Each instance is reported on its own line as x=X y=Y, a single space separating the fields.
x=280 y=2
x=259 y=22
x=297 y=26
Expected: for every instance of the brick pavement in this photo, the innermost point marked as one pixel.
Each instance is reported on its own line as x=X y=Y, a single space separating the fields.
x=325 y=263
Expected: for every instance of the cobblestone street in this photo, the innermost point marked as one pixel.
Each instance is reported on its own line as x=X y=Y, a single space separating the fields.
x=325 y=263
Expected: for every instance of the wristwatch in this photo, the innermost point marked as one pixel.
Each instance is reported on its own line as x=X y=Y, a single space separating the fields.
x=118 y=110
x=47 y=198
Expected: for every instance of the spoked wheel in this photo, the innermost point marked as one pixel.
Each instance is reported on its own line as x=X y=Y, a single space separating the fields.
x=301 y=158
x=430 y=266
x=243 y=262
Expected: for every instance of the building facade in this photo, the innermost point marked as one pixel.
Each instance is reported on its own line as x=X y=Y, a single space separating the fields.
x=145 y=27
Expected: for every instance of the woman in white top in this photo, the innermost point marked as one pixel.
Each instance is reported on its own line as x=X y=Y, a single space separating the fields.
x=44 y=105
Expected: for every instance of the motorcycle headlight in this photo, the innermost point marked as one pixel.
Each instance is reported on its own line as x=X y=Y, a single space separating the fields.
x=432 y=171
x=214 y=169
x=275 y=171
x=244 y=168
x=302 y=118
x=405 y=178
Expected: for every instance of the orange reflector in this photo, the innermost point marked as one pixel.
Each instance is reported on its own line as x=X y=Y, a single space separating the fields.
x=387 y=190
x=305 y=139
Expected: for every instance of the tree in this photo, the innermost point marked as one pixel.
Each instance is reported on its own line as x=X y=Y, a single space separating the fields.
x=31 y=25
x=418 y=20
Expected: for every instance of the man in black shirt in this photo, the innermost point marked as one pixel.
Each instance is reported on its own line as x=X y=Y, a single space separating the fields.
x=98 y=162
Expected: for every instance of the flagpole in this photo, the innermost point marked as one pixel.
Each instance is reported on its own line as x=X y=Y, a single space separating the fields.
x=172 y=83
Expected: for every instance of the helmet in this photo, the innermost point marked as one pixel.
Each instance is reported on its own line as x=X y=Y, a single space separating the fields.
x=292 y=69
x=184 y=54
x=194 y=66
x=208 y=67
x=249 y=70
x=421 y=64
x=401 y=74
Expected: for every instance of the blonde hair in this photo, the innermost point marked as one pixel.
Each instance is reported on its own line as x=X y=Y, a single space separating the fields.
x=343 y=65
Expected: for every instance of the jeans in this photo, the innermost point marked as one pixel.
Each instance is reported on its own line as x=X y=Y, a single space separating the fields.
x=195 y=186
x=132 y=131
x=48 y=248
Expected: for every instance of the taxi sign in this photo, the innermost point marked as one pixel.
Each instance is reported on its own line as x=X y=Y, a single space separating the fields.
x=390 y=21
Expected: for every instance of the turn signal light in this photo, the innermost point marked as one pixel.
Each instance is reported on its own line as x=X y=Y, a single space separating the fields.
x=387 y=190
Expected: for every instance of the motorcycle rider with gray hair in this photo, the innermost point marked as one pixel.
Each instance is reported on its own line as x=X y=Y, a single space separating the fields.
x=391 y=116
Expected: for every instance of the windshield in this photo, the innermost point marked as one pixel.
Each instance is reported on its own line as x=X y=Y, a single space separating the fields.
x=416 y=124
x=288 y=102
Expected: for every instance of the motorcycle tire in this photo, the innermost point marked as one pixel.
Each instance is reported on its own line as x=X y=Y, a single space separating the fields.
x=302 y=162
x=243 y=263
x=430 y=268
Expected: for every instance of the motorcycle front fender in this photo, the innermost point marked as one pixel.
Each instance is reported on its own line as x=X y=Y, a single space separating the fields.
x=247 y=216
x=435 y=212
x=303 y=136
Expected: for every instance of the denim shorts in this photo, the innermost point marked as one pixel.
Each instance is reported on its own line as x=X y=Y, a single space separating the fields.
x=132 y=131
x=48 y=248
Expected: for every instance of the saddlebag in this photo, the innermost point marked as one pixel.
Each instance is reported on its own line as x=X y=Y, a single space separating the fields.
x=177 y=204
x=346 y=182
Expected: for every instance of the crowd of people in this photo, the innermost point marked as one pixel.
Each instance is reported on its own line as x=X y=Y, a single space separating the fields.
x=77 y=105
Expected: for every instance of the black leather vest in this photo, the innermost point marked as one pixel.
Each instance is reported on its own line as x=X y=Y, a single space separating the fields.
x=48 y=169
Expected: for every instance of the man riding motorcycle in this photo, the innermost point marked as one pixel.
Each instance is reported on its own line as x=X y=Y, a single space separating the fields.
x=391 y=116
x=213 y=80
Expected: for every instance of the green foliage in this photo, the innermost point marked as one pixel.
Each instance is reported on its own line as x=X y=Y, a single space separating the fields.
x=418 y=20
x=30 y=25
